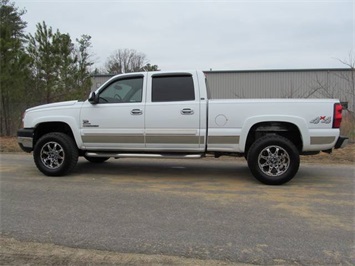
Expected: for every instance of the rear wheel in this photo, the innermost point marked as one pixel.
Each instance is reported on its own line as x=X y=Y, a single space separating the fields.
x=55 y=154
x=273 y=160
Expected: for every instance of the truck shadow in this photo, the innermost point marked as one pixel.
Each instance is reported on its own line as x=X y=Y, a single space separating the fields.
x=167 y=169
x=204 y=170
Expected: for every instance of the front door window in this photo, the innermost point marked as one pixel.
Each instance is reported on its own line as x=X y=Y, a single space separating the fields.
x=123 y=91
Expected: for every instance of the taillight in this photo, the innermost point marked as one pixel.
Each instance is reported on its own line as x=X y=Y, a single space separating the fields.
x=338 y=110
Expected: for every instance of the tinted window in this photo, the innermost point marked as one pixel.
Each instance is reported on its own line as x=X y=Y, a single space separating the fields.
x=123 y=91
x=173 y=88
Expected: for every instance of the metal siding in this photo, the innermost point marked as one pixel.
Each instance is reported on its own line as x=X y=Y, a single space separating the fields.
x=281 y=84
x=97 y=81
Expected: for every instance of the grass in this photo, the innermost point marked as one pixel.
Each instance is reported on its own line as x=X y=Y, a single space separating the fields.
x=348 y=126
x=9 y=144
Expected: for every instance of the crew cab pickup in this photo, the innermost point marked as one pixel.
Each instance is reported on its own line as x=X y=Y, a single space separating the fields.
x=169 y=115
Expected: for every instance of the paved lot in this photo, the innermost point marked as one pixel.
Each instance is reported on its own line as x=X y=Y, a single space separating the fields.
x=205 y=209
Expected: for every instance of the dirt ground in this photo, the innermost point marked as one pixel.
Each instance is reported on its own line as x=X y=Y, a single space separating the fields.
x=14 y=252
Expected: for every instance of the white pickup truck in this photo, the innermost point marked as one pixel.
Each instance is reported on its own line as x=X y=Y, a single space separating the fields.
x=169 y=115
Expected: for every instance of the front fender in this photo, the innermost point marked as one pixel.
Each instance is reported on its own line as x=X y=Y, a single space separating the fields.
x=70 y=121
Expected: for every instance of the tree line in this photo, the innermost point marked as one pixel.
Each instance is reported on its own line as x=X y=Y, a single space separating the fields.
x=48 y=66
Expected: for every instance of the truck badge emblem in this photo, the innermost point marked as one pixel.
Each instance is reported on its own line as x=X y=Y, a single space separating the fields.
x=86 y=123
x=321 y=119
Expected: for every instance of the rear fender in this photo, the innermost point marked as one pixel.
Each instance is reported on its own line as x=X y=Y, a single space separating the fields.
x=299 y=122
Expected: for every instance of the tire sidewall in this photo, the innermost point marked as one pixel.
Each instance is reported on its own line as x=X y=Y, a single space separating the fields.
x=273 y=140
x=69 y=149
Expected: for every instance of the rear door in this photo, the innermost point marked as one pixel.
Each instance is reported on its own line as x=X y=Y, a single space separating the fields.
x=172 y=113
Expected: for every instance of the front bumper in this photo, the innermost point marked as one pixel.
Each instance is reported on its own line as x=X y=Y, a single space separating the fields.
x=25 y=139
x=341 y=142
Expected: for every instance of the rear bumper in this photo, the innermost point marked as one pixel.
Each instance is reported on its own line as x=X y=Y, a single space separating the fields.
x=25 y=139
x=341 y=142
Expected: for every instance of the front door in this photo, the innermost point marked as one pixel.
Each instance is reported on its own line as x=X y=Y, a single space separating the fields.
x=116 y=122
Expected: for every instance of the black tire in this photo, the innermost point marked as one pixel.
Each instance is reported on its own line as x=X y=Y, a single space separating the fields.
x=55 y=154
x=96 y=159
x=273 y=160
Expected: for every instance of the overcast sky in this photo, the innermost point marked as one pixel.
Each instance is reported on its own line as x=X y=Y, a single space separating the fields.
x=222 y=35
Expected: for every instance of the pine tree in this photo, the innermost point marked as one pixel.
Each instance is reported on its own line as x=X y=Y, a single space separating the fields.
x=13 y=66
x=61 y=69
x=83 y=77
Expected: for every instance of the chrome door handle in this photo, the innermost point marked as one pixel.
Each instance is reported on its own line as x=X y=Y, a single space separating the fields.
x=136 y=112
x=187 y=111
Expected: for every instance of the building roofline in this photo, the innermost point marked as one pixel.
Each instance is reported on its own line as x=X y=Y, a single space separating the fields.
x=254 y=71
x=278 y=70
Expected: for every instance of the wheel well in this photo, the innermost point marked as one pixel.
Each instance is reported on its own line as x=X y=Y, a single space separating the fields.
x=287 y=130
x=48 y=127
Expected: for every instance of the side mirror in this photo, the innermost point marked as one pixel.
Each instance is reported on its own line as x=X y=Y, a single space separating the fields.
x=93 y=98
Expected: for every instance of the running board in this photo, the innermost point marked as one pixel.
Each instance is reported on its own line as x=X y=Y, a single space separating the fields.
x=144 y=155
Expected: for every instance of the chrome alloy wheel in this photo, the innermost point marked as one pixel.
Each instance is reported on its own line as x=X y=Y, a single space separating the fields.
x=52 y=155
x=274 y=160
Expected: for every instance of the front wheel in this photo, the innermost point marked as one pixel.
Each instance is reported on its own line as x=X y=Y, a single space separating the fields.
x=55 y=154
x=273 y=160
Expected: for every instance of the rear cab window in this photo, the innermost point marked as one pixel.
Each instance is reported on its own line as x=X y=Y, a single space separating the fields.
x=173 y=88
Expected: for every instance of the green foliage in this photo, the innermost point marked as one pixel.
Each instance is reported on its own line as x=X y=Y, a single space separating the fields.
x=60 y=68
x=13 y=65
x=149 y=67
x=43 y=67
x=40 y=68
x=47 y=66
x=83 y=77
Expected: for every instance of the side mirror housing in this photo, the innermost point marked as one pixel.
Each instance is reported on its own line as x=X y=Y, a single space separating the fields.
x=93 y=98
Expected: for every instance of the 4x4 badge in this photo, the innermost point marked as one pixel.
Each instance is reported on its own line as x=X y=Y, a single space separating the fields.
x=321 y=119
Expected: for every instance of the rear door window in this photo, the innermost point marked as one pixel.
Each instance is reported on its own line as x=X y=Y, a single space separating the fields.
x=173 y=88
